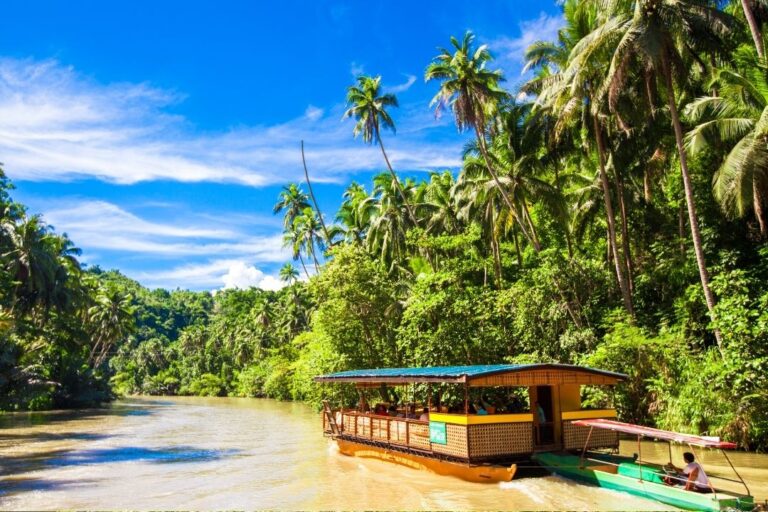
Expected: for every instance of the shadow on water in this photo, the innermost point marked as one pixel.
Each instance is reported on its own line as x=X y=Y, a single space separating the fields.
x=12 y=486
x=125 y=408
x=27 y=463
x=175 y=454
x=51 y=436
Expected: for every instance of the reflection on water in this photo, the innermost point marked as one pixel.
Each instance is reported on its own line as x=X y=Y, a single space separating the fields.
x=222 y=453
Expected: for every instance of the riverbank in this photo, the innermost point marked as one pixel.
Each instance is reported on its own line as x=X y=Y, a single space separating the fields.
x=214 y=453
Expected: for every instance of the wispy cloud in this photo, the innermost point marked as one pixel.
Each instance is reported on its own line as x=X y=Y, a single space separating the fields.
x=103 y=226
x=510 y=51
x=56 y=125
x=356 y=69
x=411 y=79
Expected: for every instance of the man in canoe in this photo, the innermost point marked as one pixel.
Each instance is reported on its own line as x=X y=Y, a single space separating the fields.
x=692 y=474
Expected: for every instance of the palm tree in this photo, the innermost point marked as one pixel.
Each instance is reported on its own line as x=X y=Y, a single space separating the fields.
x=312 y=195
x=738 y=116
x=355 y=214
x=754 y=28
x=110 y=320
x=307 y=226
x=571 y=96
x=292 y=238
x=648 y=38
x=386 y=235
x=292 y=200
x=289 y=274
x=369 y=107
x=30 y=261
x=471 y=91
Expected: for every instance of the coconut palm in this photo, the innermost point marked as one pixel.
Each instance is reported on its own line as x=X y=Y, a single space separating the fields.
x=386 y=235
x=292 y=200
x=110 y=319
x=312 y=195
x=571 y=96
x=737 y=116
x=470 y=90
x=369 y=107
x=292 y=239
x=289 y=274
x=307 y=226
x=355 y=214
x=649 y=37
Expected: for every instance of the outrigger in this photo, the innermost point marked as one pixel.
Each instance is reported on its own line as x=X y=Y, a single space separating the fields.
x=633 y=475
x=470 y=445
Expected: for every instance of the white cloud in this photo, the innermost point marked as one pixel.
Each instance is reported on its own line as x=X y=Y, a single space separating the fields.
x=215 y=274
x=402 y=87
x=313 y=113
x=57 y=125
x=510 y=52
x=356 y=69
x=104 y=226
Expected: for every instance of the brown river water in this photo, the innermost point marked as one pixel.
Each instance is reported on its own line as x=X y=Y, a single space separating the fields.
x=230 y=453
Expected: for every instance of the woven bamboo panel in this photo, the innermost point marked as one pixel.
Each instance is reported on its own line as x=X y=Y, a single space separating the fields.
x=500 y=439
x=364 y=426
x=347 y=423
x=574 y=437
x=418 y=436
x=457 y=442
x=379 y=429
x=543 y=378
x=397 y=432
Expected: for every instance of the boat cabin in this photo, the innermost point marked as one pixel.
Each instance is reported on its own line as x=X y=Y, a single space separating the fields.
x=544 y=423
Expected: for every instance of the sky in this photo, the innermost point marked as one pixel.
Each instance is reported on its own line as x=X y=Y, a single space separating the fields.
x=158 y=135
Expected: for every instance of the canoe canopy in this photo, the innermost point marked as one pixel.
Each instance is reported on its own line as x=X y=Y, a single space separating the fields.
x=480 y=375
x=655 y=433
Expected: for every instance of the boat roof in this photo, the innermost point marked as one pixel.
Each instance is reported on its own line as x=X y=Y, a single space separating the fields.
x=655 y=433
x=461 y=374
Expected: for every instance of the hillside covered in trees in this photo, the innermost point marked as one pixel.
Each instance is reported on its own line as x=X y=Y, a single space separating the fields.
x=611 y=212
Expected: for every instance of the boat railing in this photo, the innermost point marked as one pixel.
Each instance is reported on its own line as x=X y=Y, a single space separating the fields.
x=404 y=432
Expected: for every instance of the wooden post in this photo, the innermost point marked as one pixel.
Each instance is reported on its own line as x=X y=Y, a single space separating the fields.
x=466 y=398
x=407 y=434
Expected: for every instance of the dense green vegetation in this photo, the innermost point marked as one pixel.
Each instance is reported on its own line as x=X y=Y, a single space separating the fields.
x=610 y=213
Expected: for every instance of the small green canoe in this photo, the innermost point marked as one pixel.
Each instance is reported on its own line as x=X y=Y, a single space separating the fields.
x=623 y=474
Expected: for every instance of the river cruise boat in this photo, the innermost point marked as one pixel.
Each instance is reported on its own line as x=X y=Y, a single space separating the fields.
x=636 y=476
x=479 y=442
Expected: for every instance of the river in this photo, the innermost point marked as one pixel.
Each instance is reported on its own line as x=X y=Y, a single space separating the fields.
x=231 y=453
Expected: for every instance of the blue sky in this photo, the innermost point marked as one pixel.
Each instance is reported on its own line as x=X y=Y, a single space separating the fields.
x=158 y=134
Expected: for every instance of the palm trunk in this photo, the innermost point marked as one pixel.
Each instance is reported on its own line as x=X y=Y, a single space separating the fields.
x=623 y=286
x=504 y=195
x=301 y=259
x=566 y=227
x=692 y=219
x=753 y=28
x=624 y=230
x=312 y=195
x=681 y=229
x=397 y=182
x=517 y=249
x=757 y=204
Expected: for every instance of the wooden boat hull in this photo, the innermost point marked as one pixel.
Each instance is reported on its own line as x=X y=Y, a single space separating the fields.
x=568 y=466
x=470 y=473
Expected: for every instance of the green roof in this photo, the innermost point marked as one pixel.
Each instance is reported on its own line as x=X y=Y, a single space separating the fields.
x=451 y=373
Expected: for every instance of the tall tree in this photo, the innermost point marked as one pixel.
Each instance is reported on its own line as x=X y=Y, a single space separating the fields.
x=368 y=106
x=472 y=92
x=737 y=116
x=650 y=37
x=293 y=201
x=312 y=195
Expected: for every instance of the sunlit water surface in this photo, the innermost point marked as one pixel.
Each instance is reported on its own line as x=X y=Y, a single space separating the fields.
x=229 y=453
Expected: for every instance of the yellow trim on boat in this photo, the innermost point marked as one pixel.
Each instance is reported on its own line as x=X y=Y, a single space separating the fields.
x=476 y=419
x=589 y=414
x=480 y=473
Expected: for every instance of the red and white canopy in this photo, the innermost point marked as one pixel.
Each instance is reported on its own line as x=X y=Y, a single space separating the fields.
x=655 y=433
